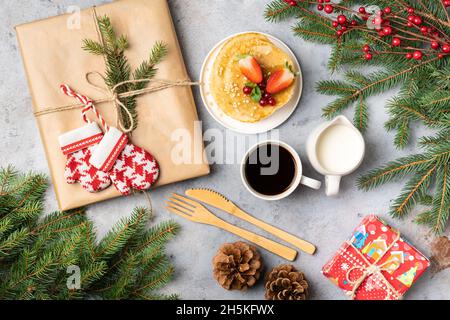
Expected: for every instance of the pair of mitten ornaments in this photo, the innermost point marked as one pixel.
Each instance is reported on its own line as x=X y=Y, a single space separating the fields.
x=97 y=160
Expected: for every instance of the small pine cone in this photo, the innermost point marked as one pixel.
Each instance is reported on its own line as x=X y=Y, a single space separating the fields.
x=237 y=266
x=286 y=283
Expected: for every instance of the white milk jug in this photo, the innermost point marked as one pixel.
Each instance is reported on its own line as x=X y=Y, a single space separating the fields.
x=336 y=149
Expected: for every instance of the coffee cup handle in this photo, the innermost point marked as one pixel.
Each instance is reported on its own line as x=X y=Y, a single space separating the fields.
x=332 y=185
x=311 y=183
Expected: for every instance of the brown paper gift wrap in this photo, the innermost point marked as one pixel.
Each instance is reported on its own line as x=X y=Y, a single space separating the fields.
x=52 y=55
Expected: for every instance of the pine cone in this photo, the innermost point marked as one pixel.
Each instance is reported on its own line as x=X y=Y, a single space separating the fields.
x=286 y=283
x=237 y=266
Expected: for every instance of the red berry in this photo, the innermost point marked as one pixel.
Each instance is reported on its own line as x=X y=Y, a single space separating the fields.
x=366 y=48
x=447 y=3
x=396 y=42
x=446 y=48
x=387 y=31
x=320 y=1
x=267 y=95
x=410 y=10
x=319 y=7
x=341 y=19
x=440 y=56
x=263 y=102
x=362 y=10
x=329 y=8
x=423 y=29
x=272 y=102
x=409 y=56
x=344 y=28
x=354 y=23
x=417 y=20
x=411 y=18
x=339 y=33
x=368 y=56
x=409 y=24
x=335 y=24
x=435 y=45
x=248 y=90
x=293 y=3
x=418 y=55
x=387 y=10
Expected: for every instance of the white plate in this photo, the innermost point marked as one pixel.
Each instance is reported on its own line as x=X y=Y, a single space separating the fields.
x=272 y=122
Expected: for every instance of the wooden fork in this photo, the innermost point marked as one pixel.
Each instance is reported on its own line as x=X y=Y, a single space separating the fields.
x=194 y=211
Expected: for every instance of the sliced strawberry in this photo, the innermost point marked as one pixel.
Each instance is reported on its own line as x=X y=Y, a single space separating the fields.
x=250 y=68
x=280 y=80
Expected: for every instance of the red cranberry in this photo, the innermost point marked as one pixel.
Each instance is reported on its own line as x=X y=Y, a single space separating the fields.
x=341 y=19
x=417 y=20
x=396 y=42
x=329 y=9
x=435 y=45
x=248 y=90
x=387 y=31
x=418 y=55
x=272 y=102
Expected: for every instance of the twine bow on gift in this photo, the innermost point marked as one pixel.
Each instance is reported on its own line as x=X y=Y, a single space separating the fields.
x=372 y=269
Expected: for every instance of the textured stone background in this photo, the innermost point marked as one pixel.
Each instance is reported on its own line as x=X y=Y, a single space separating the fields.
x=309 y=214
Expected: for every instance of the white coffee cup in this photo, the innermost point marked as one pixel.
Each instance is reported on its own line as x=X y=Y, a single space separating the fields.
x=340 y=155
x=299 y=178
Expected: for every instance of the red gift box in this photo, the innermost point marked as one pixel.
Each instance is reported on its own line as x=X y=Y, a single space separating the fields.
x=376 y=263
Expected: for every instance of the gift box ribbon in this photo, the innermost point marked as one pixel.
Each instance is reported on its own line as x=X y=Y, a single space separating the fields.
x=371 y=269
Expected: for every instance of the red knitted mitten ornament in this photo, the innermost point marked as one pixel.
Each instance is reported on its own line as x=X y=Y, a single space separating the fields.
x=129 y=166
x=78 y=146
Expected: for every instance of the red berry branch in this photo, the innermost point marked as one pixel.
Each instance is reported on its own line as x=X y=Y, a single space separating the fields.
x=405 y=30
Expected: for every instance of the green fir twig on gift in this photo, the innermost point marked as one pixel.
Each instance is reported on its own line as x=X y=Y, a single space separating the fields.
x=36 y=250
x=118 y=70
x=381 y=45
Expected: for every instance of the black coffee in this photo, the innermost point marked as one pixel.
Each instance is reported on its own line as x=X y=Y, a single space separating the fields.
x=270 y=170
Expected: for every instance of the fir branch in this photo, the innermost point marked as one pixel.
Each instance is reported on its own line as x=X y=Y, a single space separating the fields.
x=418 y=185
x=118 y=69
x=33 y=261
x=441 y=203
x=393 y=170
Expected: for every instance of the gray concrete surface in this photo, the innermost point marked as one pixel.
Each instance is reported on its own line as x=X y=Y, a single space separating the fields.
x=309 y=214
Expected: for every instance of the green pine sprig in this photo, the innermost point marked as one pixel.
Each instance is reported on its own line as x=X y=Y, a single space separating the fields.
x=423 y=98
x=36 y=250
x=118 y=69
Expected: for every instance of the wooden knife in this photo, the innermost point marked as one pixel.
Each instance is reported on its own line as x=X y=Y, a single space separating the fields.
x=217 y=200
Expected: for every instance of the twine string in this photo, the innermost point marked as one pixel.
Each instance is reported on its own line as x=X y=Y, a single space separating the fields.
x=370 y=269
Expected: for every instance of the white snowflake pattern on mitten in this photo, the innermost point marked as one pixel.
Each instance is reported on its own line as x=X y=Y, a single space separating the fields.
x=78 y=146
x=129 y=166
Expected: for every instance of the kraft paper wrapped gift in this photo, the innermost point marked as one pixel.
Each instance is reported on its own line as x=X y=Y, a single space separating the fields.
x=52 y=55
